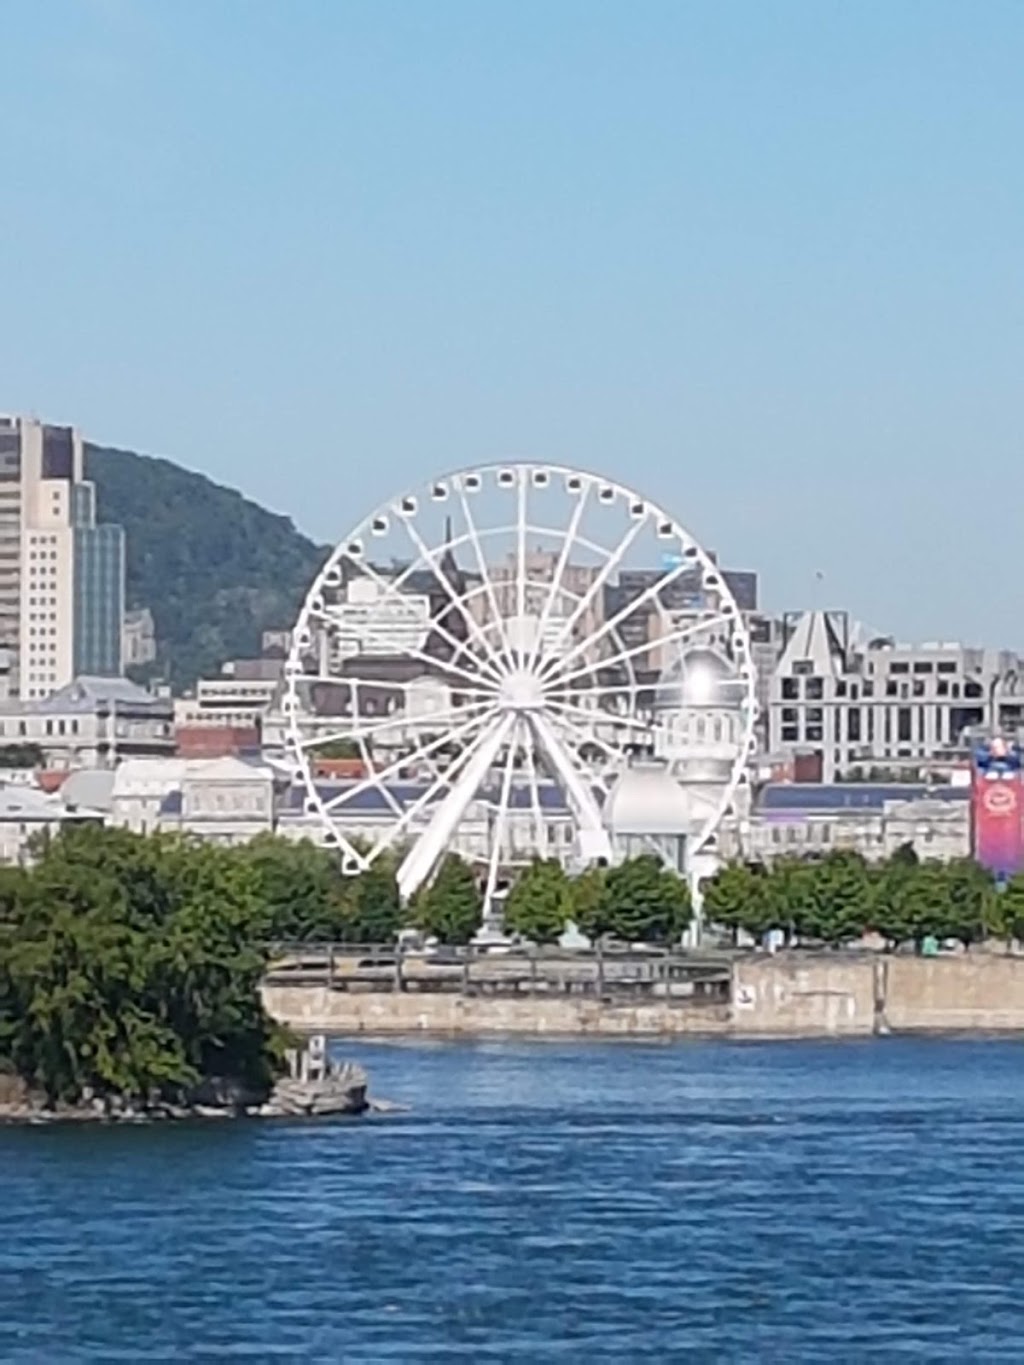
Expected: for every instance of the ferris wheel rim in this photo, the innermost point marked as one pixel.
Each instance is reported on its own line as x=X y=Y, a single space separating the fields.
x=552 y=668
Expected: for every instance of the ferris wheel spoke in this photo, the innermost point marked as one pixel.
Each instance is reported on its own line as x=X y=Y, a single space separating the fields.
x=526 y=735
x=584 y=737
x=521 y=551
x=556 y=580
x=442 y=778
x=651 y=593
x=634 y=724
x=615 y=558
x=353 y=682
x=415 y=756
x=674 y=637
x=433 y=665
x=617 y=690
x=493 y=665
x=391 y=589
x=399 y=720
x=593 y=837
x=436 y=837
x=501 y=823
x=485 y=575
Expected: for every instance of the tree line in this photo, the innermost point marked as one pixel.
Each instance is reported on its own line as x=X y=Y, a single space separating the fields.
x=309 y=900
x=839 y=898
x=130 y=965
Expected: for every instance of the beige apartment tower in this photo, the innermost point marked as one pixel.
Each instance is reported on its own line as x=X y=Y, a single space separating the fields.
x=61 y=575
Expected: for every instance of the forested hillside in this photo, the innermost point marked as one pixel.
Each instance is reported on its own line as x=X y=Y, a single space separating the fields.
x=214 y=568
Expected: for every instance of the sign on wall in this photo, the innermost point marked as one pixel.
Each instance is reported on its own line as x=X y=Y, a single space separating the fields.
x=997 y=808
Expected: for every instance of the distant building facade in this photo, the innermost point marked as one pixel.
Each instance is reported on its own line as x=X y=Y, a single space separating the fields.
x=858 y=705
x=138 y=638
x=91 y=723
x=802 y=819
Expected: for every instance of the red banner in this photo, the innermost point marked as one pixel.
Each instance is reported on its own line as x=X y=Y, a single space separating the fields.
x=996 y=810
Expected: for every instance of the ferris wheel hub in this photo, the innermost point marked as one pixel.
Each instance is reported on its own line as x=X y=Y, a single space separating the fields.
x=521 y=691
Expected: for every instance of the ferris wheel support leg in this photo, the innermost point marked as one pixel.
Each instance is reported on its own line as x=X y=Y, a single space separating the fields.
x=420 y=860
x=594 y=841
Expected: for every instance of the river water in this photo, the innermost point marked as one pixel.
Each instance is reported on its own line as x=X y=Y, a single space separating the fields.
x=547 y=1201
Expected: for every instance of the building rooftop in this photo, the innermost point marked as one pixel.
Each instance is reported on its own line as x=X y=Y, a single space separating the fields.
x=85 y=693
x=848 y=796
x=373 y=799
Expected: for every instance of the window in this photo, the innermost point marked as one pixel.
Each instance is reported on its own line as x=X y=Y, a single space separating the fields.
x=803 y=668
x=945 y=666
x=903 y=724
x=789 y=734
x=853 y=725
x=814 y=735
x=891 y=689
x=790 y=689
x=814 y=715
x=790 y=715
x=972 y=689
x=868 y=689
x=923 y=666
x=815 y=689
x=942 y=687
x=841 y=687
x=899 y=666
x=918 y=688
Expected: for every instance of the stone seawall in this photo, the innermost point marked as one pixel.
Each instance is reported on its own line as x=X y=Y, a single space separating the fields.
x=318 y=1009
x=982 y=992
x=798 y=995
x=795 y=995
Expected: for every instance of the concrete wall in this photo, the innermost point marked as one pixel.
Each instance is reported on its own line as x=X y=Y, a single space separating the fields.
x=794 y=996
x=317 y=1009
x=800 y=995
x=976 y=992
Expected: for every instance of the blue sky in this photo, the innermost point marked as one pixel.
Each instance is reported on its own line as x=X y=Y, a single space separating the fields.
x=764 y=260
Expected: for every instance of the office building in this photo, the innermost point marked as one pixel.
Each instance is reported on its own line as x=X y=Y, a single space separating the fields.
x=852 y=704
x=61 y=574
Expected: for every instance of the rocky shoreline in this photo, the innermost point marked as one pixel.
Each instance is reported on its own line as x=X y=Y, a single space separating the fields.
x=340 y=1092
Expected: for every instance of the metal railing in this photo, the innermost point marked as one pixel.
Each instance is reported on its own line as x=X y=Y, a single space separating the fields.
x=603 y=973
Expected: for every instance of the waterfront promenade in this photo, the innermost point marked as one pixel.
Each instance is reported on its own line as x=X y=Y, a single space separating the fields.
x=799 y=994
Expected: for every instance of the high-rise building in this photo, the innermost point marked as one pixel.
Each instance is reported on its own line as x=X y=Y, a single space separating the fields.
x=61 y=575
x=98 y=586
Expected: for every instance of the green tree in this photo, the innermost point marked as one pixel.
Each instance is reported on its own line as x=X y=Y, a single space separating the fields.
x=130 y=967
x=739 y=898
x=1006 y=911
x=540 y=902
x=644 y=900
x=970 y=893
x=371 y=909
x=301 y=890
x=450 y=907
x=587 y=900
x=834 y=902
x=338 y=748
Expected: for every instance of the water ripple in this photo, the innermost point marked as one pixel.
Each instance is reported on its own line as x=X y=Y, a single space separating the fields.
x=555 y=1202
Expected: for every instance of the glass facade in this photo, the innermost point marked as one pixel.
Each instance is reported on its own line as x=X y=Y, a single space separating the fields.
x=99 y=589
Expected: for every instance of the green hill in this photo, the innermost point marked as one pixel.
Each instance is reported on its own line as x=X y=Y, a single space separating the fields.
x=215 y=569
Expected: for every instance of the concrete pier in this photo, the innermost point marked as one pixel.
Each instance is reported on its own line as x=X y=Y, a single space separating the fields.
x=788 y=995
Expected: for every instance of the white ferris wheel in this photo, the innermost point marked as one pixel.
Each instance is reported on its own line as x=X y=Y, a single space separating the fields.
x=508 y=638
